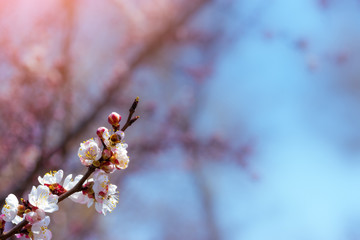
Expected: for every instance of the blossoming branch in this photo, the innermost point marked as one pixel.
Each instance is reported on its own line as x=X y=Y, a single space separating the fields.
x=102 y=156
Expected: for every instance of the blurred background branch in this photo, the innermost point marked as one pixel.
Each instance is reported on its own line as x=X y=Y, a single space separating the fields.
x=60 y=97
x=249 y=113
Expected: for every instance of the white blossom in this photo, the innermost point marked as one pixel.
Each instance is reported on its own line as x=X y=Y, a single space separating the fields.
x=89 y=151
x=121 y=160
x=114 y=143
x=40 y=230
x=101 y=182
x=42 y=198
x=107 y=203
x=10 y=208
x=51 y=177
x=105 y=193
x=53 y=181
x=69 y=183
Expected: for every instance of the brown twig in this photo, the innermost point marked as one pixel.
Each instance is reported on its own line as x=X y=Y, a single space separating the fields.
x=14 y=230
x=78 y=186
x=131 y=120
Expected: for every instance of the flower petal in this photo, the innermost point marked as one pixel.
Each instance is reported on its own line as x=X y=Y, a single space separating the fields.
x=58 y=176
x=32 y=196
x=40 y=230
x=67 y=182
x=10 y=208
x=43 y=199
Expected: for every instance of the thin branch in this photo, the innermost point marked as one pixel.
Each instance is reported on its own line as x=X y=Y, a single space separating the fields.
x=14 y=230
x=78 y=186
x=131 y=120
x=75 y=189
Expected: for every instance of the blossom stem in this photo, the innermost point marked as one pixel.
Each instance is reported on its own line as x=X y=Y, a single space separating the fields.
x=76 y=188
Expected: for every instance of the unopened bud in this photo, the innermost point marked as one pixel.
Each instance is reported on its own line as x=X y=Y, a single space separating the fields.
x=107 y=167
x=114 y=119
x=100 y=132
x=106 y=154
x=114 y=160
x=135 y=103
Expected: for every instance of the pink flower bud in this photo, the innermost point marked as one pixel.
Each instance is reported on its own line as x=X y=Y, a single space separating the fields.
x=100 y=131
x=106 y=154
x=114 y=119
x=37 y=215
x=114 y=160
x=107 y=167
x=40 y=213
x=31 y=217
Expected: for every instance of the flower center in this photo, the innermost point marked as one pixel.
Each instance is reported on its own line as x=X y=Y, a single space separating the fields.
x=56 y=189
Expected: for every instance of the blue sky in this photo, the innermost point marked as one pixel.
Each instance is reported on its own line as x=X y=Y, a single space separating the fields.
x=308 y=186
x=309 y=183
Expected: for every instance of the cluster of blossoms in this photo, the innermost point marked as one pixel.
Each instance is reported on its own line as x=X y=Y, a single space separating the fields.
x=41 y=200
x=103 y=155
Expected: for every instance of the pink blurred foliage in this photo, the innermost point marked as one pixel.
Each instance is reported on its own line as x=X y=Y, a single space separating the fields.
x=59 y=79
